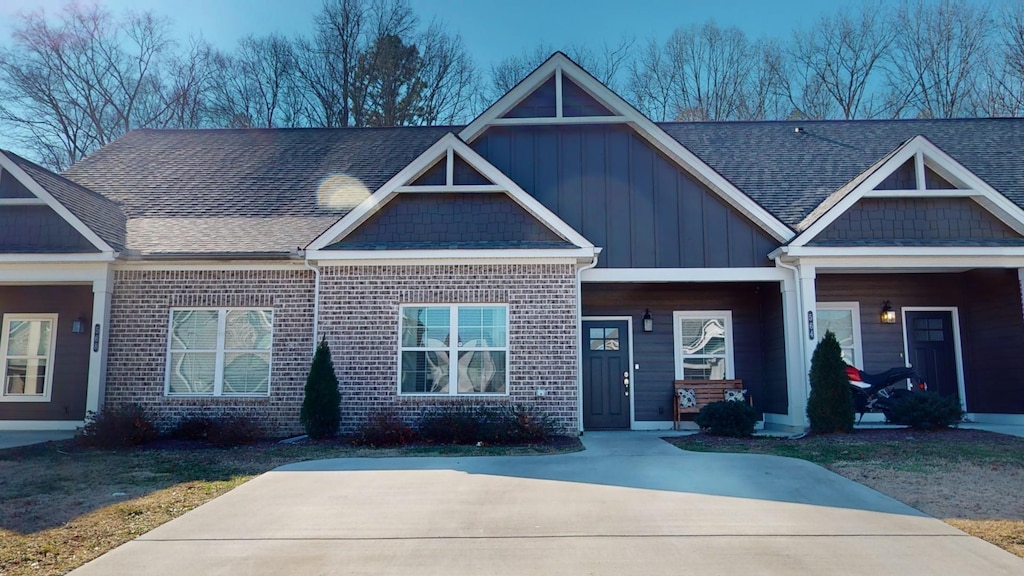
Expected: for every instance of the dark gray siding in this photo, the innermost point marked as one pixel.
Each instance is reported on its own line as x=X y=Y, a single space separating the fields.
x=757 y=333
x=463 y=173
x=452 y=220
x=539 y=104
x=921 y=220
x=625 y=196
x=903 y=178
x=434 y=176
x=38 y=229
x=991 y=326
x=71 y=355
x=576 y=102
x=11 y=188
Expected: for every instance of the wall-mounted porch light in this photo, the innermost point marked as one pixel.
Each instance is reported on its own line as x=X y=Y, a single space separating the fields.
x=648 y=321
x=78 y=325
x=888 y=314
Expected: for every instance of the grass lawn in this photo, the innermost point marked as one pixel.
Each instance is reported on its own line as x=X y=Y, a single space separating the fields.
x=61 y=506
x=970 y=479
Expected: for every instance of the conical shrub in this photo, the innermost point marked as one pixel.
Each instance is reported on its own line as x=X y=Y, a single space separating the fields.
x=321 y=405
x=830 y=406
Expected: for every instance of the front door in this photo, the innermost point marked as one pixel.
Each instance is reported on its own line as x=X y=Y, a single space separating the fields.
x=932 y=349
x=606 y=385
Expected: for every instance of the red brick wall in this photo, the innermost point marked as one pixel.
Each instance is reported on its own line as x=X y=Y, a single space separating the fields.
x=359 y=311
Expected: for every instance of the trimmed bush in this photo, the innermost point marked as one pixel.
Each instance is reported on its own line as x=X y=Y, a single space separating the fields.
x=223 y=431
x=926 y=410
x=500 y=425
x=830 y=406
x=321 y=406
x=451 y=424
x=733 y=418
x=121 y=427
x=384 y=429
x=529 y=425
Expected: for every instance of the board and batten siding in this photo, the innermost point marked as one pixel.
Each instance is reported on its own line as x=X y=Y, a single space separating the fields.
x=626 y=197
x=757 y=333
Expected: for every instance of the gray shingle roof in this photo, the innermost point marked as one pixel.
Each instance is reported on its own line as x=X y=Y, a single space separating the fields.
x=790 y=173
x=101 y=215
x=244 y=191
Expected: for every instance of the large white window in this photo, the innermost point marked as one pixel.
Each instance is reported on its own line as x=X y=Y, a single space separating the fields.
x=703 y=345
x=472 y=337
x=843 y=319
x=219 y=352
x=26 y=347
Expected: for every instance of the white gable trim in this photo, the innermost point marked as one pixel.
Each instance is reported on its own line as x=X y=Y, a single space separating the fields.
x=560 y=65
x=447 y=147
x=943 y=164
x=35 y=188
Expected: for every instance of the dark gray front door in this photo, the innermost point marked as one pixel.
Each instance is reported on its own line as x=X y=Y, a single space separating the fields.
x=932 y=349
x=606 y=385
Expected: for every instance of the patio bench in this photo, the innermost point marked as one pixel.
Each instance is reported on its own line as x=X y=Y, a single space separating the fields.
x=705 y=392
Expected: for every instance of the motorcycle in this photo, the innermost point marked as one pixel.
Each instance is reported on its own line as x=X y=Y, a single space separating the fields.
x=878 y=392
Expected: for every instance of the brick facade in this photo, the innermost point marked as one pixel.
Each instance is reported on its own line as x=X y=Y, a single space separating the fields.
x=139 y=321
x=359 y=311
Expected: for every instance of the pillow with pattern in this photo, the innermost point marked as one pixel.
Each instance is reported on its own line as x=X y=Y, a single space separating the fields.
x=687 y=397
x=735 y=395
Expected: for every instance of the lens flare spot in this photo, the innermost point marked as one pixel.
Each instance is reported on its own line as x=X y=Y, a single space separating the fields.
x=341 y=192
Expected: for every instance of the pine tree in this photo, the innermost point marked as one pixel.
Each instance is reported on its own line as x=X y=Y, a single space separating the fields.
x=320 y=408
x=830 y=406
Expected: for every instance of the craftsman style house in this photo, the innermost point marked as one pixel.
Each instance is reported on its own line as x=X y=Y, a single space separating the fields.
x=562 y=250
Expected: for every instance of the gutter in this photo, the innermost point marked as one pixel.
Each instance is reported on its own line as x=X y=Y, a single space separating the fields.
x=316 y=300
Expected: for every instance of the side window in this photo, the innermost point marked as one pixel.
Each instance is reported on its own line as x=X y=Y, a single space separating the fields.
x=219 y=352
x=703 y=345
x=26 y=349
x=843 y=320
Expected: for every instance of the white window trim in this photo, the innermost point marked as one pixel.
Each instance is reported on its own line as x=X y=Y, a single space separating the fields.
x=453 y=351
x=48 y=380
x=677 y=338
x=854 y=309
x=218 y=375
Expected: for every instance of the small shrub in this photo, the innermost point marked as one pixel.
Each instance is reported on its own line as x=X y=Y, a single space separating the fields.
x=194 y=428
x=727 y=419
x=830 y=405
x=529 y=425
x=384 y=429
x=451 y=424
x=221 y=431
x=320 y=414
x=499 y=425
x=121 y=427
x=926 y=410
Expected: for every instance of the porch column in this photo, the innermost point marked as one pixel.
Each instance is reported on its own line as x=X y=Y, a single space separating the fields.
x=795 y=372
x=806 y=275
x=1020 y=280
x=98 y=338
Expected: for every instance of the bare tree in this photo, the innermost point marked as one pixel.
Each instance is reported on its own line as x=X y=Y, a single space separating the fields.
x=653 y=82
x=449 y=77
x=939 y=58
x=74 y=83
x=256 y=85
x=1002 y=92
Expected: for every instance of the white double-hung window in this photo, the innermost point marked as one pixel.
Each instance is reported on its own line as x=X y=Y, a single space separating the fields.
x=453 y=349
x=219 y=352
x=843 y=320
x=26 y=349
x=703 y=345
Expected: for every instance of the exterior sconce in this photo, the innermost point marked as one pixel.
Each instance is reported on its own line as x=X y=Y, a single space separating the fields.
x=78 y=325
x=648 y=321
x=888 y=314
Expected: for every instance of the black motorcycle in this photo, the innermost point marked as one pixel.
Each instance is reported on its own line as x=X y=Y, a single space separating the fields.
x=878 y=392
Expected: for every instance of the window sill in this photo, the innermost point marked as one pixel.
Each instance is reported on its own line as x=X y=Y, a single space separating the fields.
x=25 y=399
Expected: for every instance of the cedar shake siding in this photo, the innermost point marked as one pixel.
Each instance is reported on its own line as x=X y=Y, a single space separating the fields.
x=139 y=322
x=756 y=328
x=623 y=195
x=38 y=230
x=359 y=315
x=70 y=375
x=991 y=326
x=923 y=221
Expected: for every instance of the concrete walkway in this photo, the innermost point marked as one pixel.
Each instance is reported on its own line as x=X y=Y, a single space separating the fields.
x=14 y=439
x=629 y=504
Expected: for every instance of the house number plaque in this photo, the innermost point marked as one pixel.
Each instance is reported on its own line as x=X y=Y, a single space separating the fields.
x=810 y=325
x=96 y=338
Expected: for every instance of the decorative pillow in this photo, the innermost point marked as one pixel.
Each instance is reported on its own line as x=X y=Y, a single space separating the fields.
x=735 y=395
x=687 y=397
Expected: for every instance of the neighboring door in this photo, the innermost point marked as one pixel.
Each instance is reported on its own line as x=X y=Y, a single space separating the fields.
x=606 y=383
x=932 y=349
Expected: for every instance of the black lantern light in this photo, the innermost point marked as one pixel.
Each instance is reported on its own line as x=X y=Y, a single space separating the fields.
x=78 y=325
x=888 y=314
x=648 y=321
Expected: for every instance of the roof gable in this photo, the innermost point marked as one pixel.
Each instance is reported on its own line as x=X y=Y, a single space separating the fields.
x=915 y=169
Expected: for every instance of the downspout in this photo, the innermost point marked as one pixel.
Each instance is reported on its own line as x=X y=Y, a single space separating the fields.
x=316 y=299
x=579 y=335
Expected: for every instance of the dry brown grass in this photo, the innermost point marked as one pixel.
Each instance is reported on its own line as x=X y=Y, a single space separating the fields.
x=61 y=507
x=969 y=479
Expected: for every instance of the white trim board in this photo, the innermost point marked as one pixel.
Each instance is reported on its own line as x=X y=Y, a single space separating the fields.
x=632 y=374
x=560 y=65
x=368 y=257
x=957 y=346
x=41 y=193
x=923 y=152
x=447 y=147
x=759 y=274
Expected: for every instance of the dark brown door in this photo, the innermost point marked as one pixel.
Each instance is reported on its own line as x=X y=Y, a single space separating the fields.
x=932 y=349
x=606 y=384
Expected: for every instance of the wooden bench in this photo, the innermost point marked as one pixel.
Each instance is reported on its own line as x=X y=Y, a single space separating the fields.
x=706 y=391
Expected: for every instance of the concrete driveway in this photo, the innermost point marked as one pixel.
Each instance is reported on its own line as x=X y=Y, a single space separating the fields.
x=629 y=504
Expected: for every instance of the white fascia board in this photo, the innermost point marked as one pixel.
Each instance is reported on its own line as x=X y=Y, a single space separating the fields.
x=644 y=127
x=41 y=193
x=37 y=272
x=57 y=258
x=882 y=263
x=619 y=275
x=930 y=251
x=339 y=257
x=199 y=265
